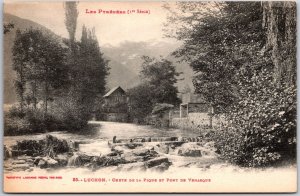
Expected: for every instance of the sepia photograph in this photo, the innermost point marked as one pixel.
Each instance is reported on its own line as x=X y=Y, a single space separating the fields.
x=149 y=97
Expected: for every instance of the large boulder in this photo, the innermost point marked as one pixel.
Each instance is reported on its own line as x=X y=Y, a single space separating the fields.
x=156 y=161
x=162 y=148
x=18 y=162
x=6 y=152
x=140 y=166
x=133 y=145
x=51 y=162
x=141 y=152
x=46 y=162
x=23 y=166
x=161 y=168
x=42 y=163
x=131 y=158
x=62 y=159
x=118 y=149
x=190 y=152
x=24 y=157
x=75 y=161
x=112 y=161
x=209 y=145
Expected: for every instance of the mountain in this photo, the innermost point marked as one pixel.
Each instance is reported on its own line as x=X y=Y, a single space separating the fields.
x=128 y=56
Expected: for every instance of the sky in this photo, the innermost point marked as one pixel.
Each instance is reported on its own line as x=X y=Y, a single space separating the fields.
x=110 y=29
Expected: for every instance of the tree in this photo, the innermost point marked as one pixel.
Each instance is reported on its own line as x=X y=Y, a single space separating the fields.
x=158 y=80
x=92 y=61
x=87 y=72
x=140 y=105
x=92 y=70
x=161 y=76
x=19 y=66
x=7 y=27
x=279 y=20
x=71 y=15
x=39 y=62
x=218 y=39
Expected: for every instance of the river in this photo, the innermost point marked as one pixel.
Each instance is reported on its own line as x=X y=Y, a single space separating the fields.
x=207 y=166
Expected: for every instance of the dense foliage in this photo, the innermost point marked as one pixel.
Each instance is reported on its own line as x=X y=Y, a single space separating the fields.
x=159 y=77
x=239 y=51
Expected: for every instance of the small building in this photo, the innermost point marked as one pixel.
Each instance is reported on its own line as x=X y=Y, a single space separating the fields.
x=194 y=113
x=115 y=106
x=196 y=110
x=115 y=96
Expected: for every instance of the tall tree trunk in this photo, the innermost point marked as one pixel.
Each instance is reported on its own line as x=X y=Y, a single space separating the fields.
x=46 y=96
x=34 y=93
x=280 y=23
x=22 y=83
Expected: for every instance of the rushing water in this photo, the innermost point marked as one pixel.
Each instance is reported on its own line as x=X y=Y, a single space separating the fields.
x=97 y=138
x=106 y=130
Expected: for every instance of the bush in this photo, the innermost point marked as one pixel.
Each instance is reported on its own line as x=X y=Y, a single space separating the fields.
x=262 y=126
x=15 y=126
x=50 y=146
x=69 y=114
x=15 y=111
x=30 y=121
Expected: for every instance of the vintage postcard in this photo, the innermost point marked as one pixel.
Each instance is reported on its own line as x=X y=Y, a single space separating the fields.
x=149 y=97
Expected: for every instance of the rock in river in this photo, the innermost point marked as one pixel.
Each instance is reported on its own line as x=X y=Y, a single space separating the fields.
x=141 y=152
x=140 y=166
x=156 y=161
x=190 y=152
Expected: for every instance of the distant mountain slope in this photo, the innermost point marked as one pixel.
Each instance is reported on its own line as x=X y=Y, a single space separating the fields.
x=120 y=75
